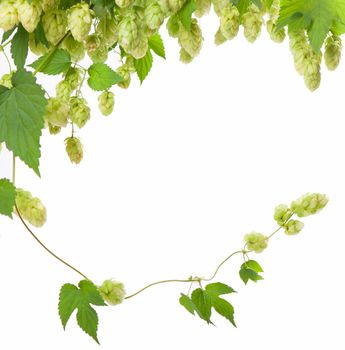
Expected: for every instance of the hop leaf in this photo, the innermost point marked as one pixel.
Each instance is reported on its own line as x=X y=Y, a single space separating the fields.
x=22 y=107
x=72 y=298
x=203 y=300
x=250 y=271
x=7 y=197
x=102 y=77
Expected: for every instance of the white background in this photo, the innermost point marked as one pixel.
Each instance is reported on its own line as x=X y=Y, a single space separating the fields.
x=187 y=164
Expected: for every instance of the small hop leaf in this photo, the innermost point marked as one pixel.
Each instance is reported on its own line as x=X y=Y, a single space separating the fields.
x=72 y=298
x=250 y=271
x=7 y=197
x=102 y=77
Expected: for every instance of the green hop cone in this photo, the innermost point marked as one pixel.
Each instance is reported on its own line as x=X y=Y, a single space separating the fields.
x=333 y=48
x=36 y=47
x=309 y=204
x=252 y=23
x=106 y=102
x=293 y=227
x=73 y=77
x=113 y=292
x=256 y=242
x=219 y=5
x=79 y=111
x=107 y=30
x=53 y=130
x=202 y=7
x=128 y=32
x=313 y=81
x=229 y=22
x=31 y=209
x=140 y=48
x=74 y=48
x=79 y=19
x=300 y=50
x=8 y=15
x=175 y=5
x=49 y=4
x=185 y=57
x=57 y=112
x=63 y=90
x=6 y=80
x=29 y=14
x=277 y=36
x=123 y=3
x=124 y=72
x=154 y=16
x=173 y=26
x=282 y=214
x=74 y=149
x=191 y=40
x=54 y=25
x=219 y=38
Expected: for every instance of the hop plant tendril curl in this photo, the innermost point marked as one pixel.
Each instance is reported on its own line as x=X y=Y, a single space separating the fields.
x=66 y=35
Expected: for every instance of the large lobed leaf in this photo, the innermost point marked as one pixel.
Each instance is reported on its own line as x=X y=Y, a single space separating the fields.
x=203 y=300
x=21 y=117
x=318 y=17
x=73 y=298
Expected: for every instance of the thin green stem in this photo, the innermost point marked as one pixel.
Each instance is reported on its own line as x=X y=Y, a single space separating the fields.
x=161 y=282
x=7 y=43
x=6 y=57
x=46 y=248
x=221 y=264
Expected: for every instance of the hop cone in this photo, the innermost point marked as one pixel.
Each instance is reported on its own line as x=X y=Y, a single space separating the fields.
x=54 y=25
x=219 y=38
x=202 y=7
x=252 y=23
x=79 y=111
x=125 y=74
x=8 y=15
x=123 y=3
x=191 y=40
x=154 y=16
x=293 y=227
x=74 y=149
x=276 y=36
x=29 y=14
x=31 y=209
x=333 y=50
x=36 y=47
x=75 y=48
x=79 y=21
x=113 y=292
x=256 y=241
x=73 y=77
x=309 y=204
x=107 y=30
x=229 y=22
x=6 y=80
x=106 y=102
x=57 y=112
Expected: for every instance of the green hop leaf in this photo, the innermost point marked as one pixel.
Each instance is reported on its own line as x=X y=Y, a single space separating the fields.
x=39 y=34
x=318 y=17
x=7 y=35
x=21 y=117
x=7 y=197
x=202 y=302
x=143 y=66
x=219 y=289
x=102 y=77
x=53 y=64
x=242 y=5
x=186 y=12
x=72 y=298
x=224 y=308
x=187 y=303
x=156 y=45
x=250 y=271
x=19 y=47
